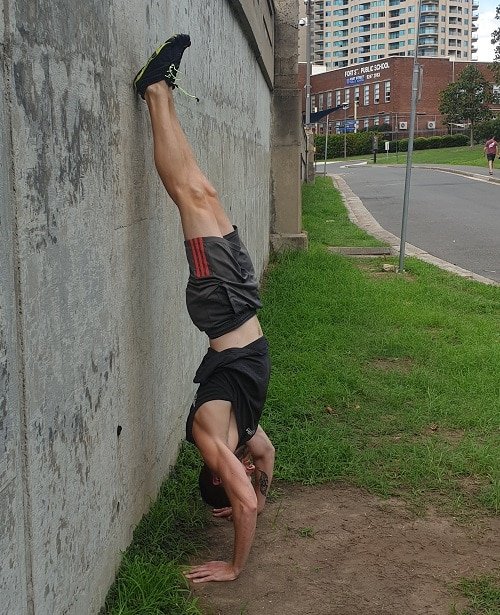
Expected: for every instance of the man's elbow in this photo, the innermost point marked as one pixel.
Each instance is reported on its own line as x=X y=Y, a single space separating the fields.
x=248 y=505
x=269 y=452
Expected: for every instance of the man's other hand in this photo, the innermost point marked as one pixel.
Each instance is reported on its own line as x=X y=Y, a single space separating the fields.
x=223 y=513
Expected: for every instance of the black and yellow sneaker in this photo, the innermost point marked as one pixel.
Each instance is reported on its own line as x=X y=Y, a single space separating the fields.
x=163 y=64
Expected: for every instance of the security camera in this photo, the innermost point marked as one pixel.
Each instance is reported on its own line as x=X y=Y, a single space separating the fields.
x=302 y=22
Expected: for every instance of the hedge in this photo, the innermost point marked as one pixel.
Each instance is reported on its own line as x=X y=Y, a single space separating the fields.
x=361 y=143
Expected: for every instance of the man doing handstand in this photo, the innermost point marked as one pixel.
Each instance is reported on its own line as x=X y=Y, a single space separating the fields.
x=222 y=299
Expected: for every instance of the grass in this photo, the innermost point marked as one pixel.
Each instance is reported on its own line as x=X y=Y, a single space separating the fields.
x=483 y=594
x=150 y=580
x=467 y=156
x=334 y=413
x=386 y=381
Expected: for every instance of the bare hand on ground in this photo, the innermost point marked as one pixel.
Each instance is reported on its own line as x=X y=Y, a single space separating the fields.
x=223 y=513
x=211 y=571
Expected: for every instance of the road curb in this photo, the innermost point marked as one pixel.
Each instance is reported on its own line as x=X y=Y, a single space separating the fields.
x=359 y=215
x=486 y=178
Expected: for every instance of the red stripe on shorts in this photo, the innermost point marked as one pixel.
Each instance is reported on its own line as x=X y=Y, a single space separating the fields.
x=201 y=269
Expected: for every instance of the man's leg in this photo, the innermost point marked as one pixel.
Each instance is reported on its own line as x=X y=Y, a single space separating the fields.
x=199 y=207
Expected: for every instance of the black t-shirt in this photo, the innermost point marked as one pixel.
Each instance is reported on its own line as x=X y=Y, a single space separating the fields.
x=238 y=375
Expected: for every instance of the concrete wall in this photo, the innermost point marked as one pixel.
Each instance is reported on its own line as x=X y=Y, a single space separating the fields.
x=97 y=352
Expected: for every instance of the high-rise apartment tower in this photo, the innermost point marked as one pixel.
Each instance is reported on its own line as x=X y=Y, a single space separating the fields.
x=347 y=32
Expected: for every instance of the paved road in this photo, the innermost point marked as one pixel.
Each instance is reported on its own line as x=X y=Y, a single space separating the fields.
x=453 y=217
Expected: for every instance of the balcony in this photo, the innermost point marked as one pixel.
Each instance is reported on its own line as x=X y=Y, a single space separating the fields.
x=475 y=5
x=430 y=19
x=428 y=30
x=429 y=8
x=427 y=41
x=428 y=53
x=474 y=38
x=475 y=16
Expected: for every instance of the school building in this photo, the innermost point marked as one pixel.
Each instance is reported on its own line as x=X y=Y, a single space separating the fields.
x=376 y=93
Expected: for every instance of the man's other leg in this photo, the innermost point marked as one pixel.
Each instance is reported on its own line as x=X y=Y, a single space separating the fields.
x=199 y=207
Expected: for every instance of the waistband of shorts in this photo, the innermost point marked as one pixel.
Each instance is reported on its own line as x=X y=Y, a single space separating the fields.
x=231 y=325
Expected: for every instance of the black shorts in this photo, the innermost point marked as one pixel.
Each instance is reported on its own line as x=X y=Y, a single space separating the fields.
x=222 y=290
x=238 y=375
x=490 y=156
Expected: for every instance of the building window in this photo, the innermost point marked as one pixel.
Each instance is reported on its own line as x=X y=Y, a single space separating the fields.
x=387 y=92
x=329 y=100
x=366 y=95
x=320 y=102
x=366 y=123
x=356 y=94
x=347 y=95
x=376 y=93
x=337 y=98
x=376 y=121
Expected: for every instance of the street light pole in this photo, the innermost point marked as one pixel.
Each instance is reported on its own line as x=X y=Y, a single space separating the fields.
x=326 y=145
x=345 y=130
x=409 y=157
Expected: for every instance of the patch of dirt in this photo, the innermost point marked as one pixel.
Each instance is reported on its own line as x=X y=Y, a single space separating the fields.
x=336 y=550
x=373 y=269
x=386 y=364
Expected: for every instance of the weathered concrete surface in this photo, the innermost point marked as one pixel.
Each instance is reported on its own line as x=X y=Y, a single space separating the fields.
x=287 y=230
x=96 y=349
x=14 y=565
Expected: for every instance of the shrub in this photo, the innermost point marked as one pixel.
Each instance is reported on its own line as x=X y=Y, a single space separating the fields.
x=362 y=142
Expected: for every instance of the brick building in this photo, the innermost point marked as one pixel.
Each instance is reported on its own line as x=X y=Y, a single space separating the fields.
x=380 y=93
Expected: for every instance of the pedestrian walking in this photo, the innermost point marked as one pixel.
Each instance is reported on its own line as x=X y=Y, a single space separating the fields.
x=491 y=151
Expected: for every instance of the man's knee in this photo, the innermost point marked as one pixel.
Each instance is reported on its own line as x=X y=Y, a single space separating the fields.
x=193 y=194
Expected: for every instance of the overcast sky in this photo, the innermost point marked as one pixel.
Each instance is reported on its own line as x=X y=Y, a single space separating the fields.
x=485 y=26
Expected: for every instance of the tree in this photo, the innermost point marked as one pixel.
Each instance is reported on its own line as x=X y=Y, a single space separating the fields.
x=495 y=40
x=466 y=101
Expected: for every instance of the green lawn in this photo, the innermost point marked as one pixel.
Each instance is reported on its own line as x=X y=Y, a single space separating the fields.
x=469 y=156
x=382 y=380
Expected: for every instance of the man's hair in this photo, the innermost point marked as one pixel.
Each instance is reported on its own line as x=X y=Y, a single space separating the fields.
x=213 y=495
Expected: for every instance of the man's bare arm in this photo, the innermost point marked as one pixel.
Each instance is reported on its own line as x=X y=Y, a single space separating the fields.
x=244 y=509
x=262 y=452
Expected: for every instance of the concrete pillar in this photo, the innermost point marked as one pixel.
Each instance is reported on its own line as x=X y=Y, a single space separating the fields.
x=287 y=132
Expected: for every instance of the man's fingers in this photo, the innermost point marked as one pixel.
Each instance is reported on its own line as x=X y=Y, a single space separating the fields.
x=211 y=571
x=223 y=512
